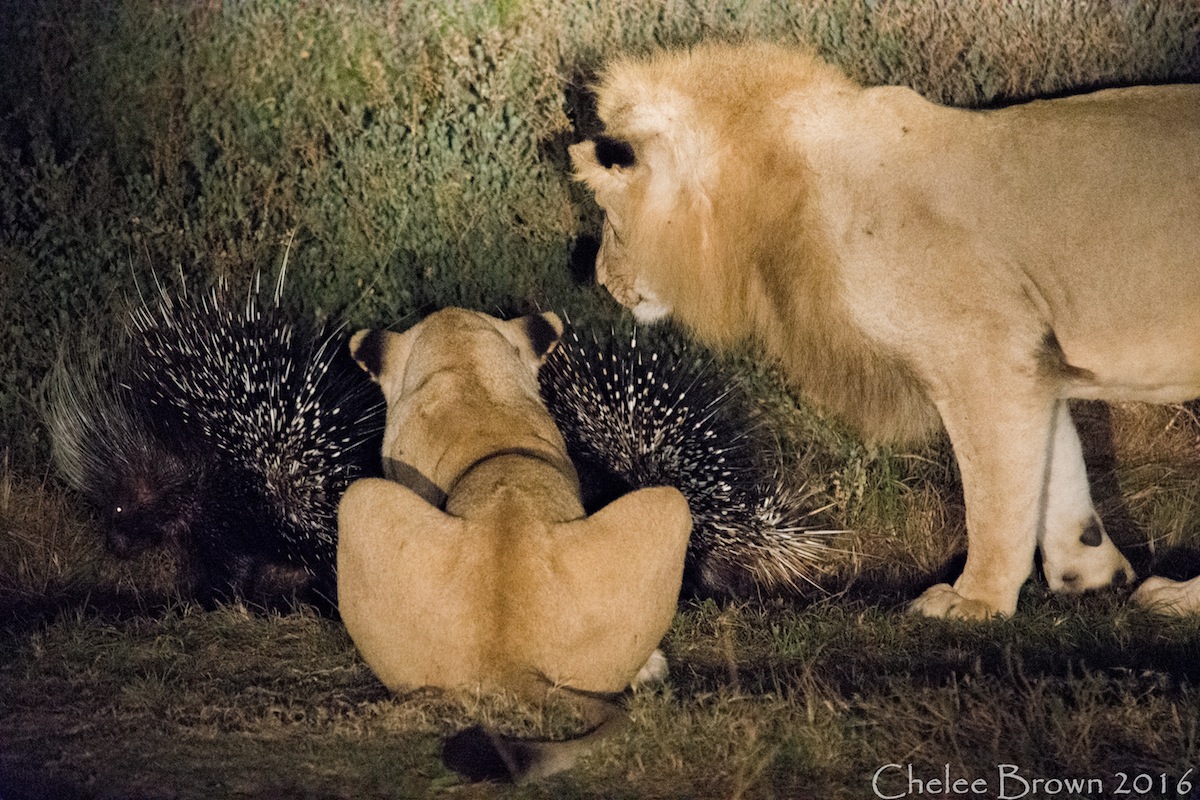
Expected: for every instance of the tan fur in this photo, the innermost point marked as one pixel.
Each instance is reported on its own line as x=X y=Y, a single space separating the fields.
x=509 y=587
x=1169 y=597
x=908 y=262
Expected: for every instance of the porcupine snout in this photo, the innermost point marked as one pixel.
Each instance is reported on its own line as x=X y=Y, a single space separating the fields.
x=151 y=505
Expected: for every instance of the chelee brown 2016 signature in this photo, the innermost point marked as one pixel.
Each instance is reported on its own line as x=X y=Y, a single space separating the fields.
x=1010 y=782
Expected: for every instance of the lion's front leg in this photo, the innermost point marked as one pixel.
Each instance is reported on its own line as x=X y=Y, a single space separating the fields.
x=1001 y=445
x=1077 y=554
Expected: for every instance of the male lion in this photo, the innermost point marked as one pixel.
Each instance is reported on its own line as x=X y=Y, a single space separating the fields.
x=474 y=566
x=906 y=262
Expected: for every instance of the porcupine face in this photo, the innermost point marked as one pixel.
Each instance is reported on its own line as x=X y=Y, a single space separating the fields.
x=142 y=491
x=277 y=403
x=220 y=428
x=151 y=505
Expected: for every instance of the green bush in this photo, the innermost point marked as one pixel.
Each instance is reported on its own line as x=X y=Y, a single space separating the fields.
x=404 y=156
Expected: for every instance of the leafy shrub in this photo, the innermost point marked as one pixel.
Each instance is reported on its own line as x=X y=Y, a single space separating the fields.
x=404 y=156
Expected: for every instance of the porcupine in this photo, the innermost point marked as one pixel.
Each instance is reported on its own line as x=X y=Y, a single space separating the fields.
x=225 y=429
x=632 y=418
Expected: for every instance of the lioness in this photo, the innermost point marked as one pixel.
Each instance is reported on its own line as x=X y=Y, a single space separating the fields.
x=474 y=566
x=908 y=262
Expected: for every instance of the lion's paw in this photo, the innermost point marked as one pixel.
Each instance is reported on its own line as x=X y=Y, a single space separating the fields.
x=943 y=601
x=1079 y=563
x=653 y=671
x=1169 y=597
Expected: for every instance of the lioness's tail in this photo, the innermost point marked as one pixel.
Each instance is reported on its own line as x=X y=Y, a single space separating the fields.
x=479 y=754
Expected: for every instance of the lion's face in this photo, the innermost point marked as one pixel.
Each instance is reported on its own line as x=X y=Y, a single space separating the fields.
x=667 y=178
x=630 y=288
x=620 y=183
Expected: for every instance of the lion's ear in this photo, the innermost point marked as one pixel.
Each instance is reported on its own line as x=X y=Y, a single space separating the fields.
x=657 y=126
x=613 y=153
x=604 y=168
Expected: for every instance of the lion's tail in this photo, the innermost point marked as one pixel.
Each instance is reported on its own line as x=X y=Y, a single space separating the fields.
x=479 y=754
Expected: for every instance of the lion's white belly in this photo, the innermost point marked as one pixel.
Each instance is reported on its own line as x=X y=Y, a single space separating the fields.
x=1138 y=393
x=1144 y=349
x=1158 y=378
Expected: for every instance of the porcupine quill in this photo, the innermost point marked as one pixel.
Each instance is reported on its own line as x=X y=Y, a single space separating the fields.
x=634 y=418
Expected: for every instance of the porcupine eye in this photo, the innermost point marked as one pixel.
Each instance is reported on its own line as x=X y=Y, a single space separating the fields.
x=123 y=538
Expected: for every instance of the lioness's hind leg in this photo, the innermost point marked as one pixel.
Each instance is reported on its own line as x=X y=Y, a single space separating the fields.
x=1077 y=554
x=653 y=671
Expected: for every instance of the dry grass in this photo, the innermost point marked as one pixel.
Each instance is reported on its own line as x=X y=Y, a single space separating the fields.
x=47 y=549
x=222 y=704
x=110 y=687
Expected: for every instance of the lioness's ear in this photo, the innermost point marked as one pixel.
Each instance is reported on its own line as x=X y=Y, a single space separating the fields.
x=535 y=335
x=381 y=353
x=544 y=331
x=366 y=348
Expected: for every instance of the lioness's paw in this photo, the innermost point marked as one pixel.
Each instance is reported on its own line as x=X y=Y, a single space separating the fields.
x=941 y=600
x=1080 y=563
x=1168 y=596
x=653 y=671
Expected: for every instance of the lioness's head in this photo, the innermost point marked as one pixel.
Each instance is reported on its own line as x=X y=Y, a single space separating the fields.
x=497 y=352
x=458 y=375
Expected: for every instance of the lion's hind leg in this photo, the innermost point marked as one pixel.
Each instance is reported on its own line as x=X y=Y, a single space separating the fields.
x=1077 y=554
x=1169 y=597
